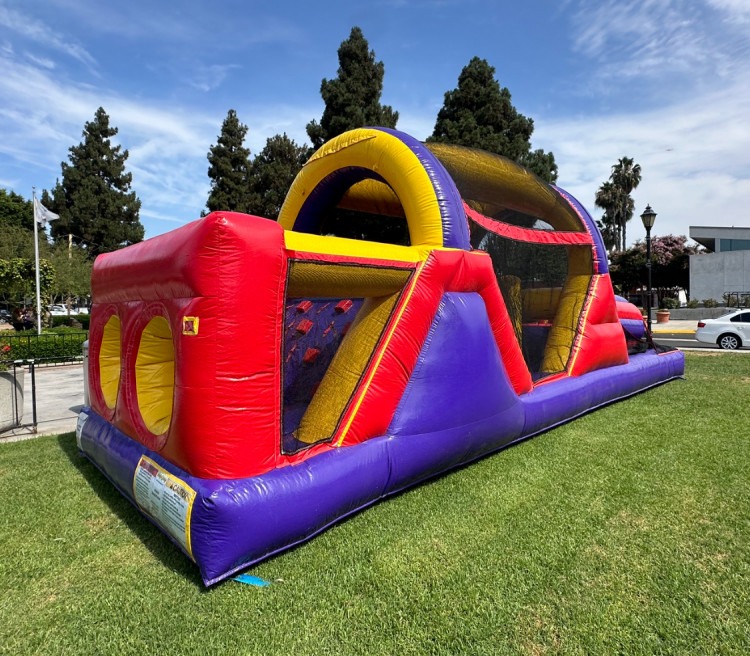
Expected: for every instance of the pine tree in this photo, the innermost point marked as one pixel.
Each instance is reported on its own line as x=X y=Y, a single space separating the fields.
x=94 y=198
x=352 y=100
x=273 y=172
x=229 y=169
x=480 y=114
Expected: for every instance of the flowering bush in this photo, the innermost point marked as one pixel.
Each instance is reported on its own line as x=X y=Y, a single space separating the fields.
x=5 y=357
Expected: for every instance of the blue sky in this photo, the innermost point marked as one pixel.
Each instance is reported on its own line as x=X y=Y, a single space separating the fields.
x=666 y=82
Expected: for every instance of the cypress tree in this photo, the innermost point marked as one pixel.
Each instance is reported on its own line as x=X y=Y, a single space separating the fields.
x=94 y=199
x=352 y=100
x=229 y=169
x=479 y=114
x=273 y=171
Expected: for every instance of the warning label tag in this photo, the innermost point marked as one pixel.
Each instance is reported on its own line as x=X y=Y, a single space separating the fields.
x=165 y=498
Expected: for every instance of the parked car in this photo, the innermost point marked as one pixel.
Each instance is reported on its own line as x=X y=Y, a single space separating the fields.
x=730 y=331
x=58 y=311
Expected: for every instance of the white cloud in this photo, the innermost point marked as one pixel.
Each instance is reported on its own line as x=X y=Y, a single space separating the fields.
x=45 y=114
x=207 y=78
x=693 y=156
x=735 y=11
x=687 y=63
x=644 y=39
x=43 y=62
x=43 y=35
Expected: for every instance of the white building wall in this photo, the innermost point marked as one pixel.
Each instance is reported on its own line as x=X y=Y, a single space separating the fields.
x=713 y=274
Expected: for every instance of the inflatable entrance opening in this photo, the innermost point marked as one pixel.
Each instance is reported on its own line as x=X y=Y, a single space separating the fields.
x=253 y=382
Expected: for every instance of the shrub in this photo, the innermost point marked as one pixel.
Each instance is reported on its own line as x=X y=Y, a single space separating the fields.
x=710 y=303
x=63 y=345
x=670 y=303
x=692 y=303
x=82 y=321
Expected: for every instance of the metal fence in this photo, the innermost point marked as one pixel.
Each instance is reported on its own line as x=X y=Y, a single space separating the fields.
x=47 y=348
x=12 y=397
x=737 y=299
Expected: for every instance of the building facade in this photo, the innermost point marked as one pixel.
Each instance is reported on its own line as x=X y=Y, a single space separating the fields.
x=726 y=268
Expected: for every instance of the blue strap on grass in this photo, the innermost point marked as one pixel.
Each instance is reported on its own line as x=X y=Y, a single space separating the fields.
x=252 y=580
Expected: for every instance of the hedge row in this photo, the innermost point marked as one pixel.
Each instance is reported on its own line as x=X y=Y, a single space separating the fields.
x=80 y=321
x=65 y=346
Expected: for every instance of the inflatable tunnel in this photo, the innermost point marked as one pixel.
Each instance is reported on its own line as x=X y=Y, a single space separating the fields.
x=252 y=382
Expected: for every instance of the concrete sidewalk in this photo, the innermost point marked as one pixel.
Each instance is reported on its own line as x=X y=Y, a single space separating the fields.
x=686 y=326
x=59 y=398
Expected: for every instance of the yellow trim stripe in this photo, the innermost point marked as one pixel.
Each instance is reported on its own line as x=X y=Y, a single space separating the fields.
x=385 y=155
x=381 y=352
x=307 y=243
x=576 y=348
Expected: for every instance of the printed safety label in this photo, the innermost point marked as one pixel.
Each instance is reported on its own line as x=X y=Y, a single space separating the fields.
x=165 y=498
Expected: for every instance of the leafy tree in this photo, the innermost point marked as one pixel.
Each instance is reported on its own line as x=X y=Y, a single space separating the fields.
x=479 y=114
x=614 y=198
x=540 y=163
x=19 y=242
x=670 y=258
x=628 y=269
x=273 y=171
x=94 y=198
x=15 y=211
x=17 y=257
x=18 y=281
x=72 y=274
x=230 y=169
x=352 y=100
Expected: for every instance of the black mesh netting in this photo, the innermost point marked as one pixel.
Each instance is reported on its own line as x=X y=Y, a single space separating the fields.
x=530 y=277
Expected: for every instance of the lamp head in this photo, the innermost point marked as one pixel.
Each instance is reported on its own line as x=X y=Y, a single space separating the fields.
x=648 y=217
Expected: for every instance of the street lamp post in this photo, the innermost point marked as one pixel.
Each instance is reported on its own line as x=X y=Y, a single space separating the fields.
x=648 y=217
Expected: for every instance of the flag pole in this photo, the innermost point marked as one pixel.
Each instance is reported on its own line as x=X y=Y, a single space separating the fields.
x=36 y=262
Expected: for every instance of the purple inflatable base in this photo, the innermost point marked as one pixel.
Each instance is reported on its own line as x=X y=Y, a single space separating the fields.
x=237 y=523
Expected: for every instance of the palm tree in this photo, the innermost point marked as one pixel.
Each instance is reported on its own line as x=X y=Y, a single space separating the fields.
x=607 y=199
x=626 y=176
x=609 y=233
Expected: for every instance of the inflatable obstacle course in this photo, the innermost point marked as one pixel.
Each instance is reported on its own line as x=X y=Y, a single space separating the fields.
x=252 y=382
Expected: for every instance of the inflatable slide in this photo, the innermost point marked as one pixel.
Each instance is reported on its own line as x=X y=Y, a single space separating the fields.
x=253 y=382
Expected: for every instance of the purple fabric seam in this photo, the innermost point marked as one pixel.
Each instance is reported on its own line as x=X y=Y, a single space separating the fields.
x=600 y=252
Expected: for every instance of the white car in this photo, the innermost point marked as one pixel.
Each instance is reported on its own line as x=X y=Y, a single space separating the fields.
x=730 y=331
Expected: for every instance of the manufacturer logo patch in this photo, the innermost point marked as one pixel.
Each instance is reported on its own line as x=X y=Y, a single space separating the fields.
x=190 y=325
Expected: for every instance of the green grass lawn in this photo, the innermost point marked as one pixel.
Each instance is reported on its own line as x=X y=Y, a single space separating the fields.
x=626 y=531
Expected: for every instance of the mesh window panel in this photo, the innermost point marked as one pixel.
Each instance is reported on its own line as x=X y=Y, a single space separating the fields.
x=530 y=277
x=351 y=224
